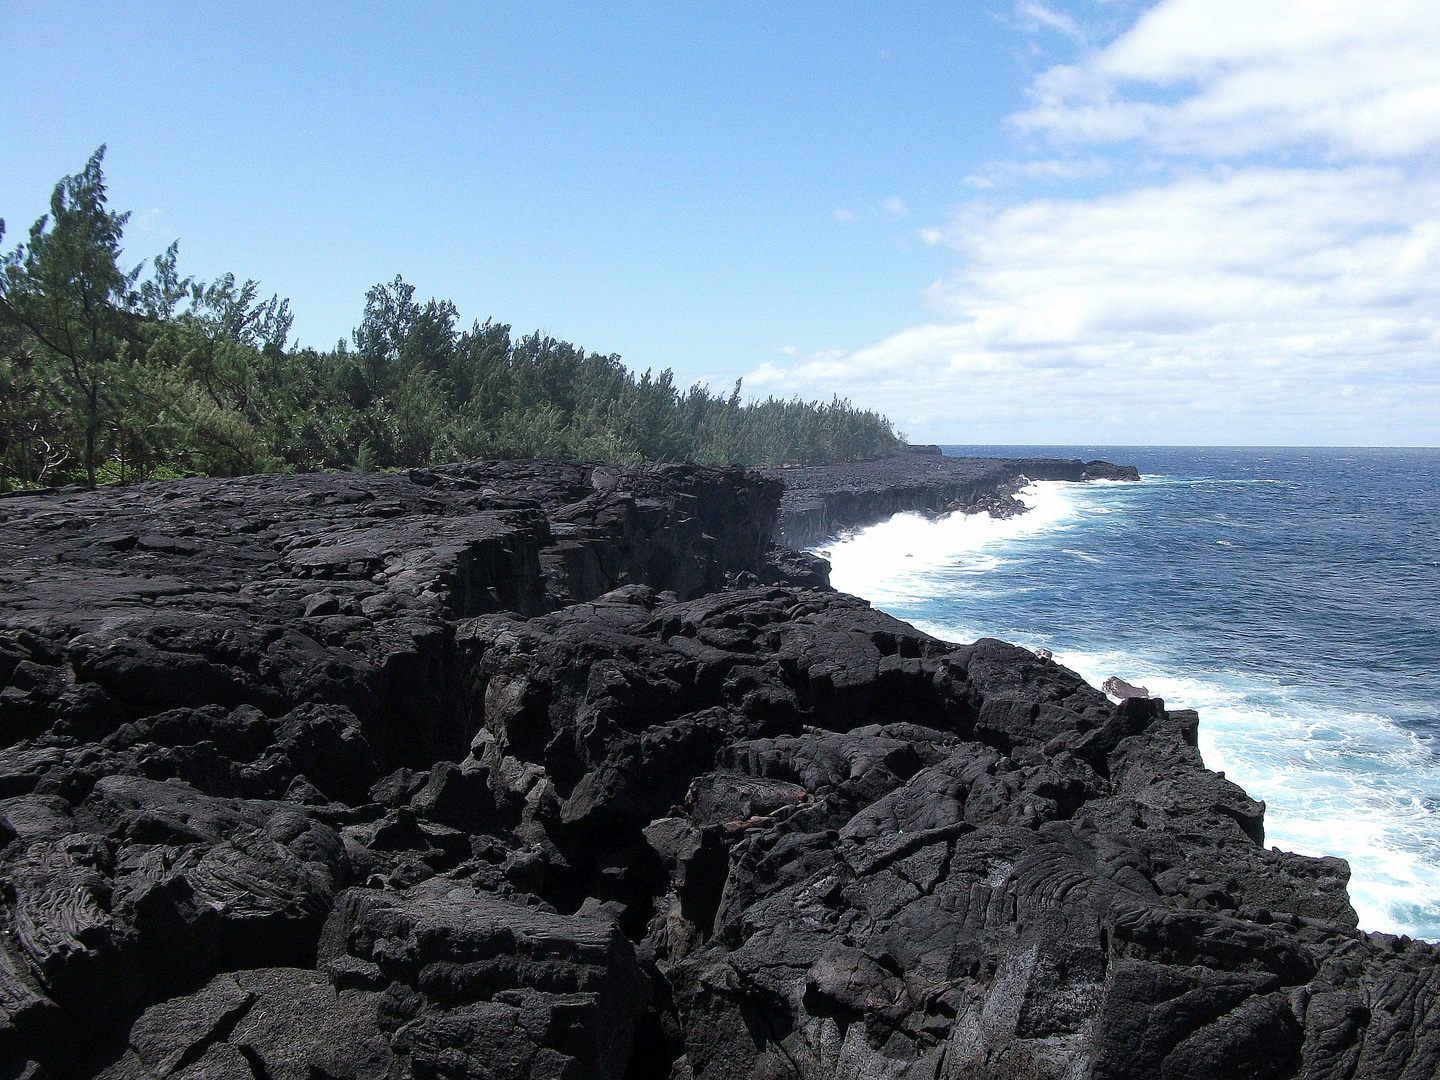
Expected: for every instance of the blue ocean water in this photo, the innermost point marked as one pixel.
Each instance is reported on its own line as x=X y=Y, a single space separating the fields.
x=1292 y=596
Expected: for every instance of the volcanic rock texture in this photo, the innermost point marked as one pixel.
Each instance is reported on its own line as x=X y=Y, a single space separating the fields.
x=545 y=770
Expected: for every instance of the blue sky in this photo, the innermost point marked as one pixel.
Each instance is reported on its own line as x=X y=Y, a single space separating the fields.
x=1099 y=221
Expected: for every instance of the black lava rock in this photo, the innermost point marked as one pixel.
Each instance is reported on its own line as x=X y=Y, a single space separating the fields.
x=541 y=769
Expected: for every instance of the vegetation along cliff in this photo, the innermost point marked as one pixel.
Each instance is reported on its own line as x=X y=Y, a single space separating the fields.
x=113 y=374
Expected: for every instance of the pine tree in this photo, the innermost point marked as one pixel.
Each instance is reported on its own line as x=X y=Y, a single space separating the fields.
x=68 y=298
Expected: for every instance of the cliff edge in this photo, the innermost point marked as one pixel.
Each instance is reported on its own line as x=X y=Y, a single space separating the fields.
x=821 y=500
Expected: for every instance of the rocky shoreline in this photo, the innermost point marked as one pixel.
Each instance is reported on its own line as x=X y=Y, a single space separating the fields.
x=537 y=769
x=821 y=500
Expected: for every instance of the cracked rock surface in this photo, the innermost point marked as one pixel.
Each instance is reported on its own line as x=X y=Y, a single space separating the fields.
x=537 y=769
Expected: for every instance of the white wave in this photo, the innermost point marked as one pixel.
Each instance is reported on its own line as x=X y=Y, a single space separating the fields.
x=897 y=560
x=1335 y=781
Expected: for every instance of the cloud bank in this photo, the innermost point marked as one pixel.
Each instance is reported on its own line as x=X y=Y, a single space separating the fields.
x=1262 y=264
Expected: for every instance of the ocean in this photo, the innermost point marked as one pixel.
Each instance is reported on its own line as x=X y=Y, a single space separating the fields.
x=1291 y=595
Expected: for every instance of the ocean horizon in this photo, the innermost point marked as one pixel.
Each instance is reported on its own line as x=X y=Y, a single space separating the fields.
x=1289 y=594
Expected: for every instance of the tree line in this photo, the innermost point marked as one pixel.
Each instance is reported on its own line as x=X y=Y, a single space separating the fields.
x=111 y=374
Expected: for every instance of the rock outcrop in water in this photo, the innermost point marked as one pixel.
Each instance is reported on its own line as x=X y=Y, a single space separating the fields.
x=547 y=770
x=1118 y=688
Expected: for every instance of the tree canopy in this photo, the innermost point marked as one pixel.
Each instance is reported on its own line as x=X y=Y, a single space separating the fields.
x=110 y=374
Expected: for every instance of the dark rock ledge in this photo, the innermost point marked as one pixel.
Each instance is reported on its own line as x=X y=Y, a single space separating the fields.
x=544 y=770
x=821 y=500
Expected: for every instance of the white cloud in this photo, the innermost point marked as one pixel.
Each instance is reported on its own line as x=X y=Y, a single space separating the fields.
x=894 y=207
x=1223 y=290
x=1213 y=248
x=844 y=215
x=1000 y=172
x=147 y=223
x=1039 y=15
x=1351 y=77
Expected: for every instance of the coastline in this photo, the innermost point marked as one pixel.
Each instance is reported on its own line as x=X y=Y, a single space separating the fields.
x=410 y=757
x=1329 y=718
x=822 y=500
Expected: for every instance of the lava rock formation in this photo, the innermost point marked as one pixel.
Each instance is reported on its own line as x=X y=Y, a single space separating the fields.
x=536 y=769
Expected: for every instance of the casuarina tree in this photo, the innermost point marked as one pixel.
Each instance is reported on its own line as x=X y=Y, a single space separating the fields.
x=65 y=294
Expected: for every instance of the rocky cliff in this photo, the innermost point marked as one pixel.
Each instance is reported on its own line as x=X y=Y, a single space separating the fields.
x=547 y=770
x=821 y=500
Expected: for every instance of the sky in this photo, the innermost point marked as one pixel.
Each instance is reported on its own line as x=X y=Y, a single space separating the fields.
x=1097 y=221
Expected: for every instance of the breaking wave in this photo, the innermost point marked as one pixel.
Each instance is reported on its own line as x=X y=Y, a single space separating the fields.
x=1132 y=580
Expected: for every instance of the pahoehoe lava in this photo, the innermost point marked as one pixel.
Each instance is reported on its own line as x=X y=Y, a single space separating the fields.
x=540 y=769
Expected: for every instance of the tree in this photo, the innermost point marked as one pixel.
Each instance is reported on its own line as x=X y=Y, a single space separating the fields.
x=30 y=447
x=101 y=373
x=66 y=295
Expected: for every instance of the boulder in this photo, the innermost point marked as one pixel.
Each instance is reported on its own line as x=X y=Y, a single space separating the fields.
x=492 y=985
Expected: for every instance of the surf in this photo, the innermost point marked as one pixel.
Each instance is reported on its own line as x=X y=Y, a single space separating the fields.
x=1114 y=579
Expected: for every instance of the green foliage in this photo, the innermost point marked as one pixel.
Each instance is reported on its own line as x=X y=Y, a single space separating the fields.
x=107 y=377
x=65 y=298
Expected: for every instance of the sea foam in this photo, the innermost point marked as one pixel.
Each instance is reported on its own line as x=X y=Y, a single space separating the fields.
x=899 y=560
x=1336 y=781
